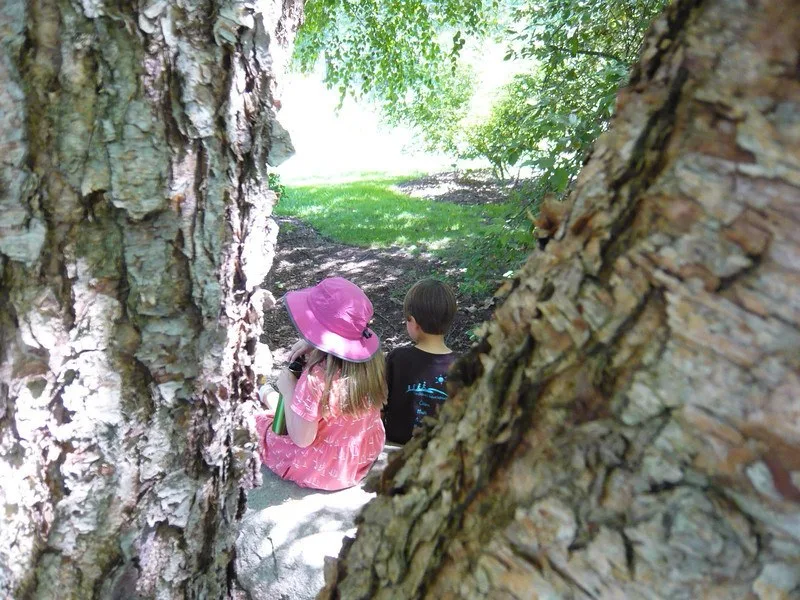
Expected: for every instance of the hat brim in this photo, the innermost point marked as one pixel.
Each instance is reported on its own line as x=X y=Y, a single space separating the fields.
x=360 y=350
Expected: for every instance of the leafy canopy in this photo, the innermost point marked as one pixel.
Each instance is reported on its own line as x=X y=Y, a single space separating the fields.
x=548 y=119
x=404 y=54
x=387 y=48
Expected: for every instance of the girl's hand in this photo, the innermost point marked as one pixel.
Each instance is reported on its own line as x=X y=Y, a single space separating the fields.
x=300 y=347
x=286 y=383
x=301 y=432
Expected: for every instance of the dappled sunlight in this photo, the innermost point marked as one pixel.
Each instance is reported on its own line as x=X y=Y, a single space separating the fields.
x=475 y=188
x=386 y=227
x=350 y=267
x=313 y=210
x=289 y=529
x=380 y=214
x=409 y=217
x=440 y=244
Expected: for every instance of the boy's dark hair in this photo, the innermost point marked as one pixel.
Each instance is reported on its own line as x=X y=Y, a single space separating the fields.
x=432 y=304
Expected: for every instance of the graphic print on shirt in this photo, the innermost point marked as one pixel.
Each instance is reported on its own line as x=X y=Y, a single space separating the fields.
x=426 y=399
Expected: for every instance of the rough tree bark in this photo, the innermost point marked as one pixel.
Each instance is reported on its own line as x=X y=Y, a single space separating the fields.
x=629 y=425
x=134 y=230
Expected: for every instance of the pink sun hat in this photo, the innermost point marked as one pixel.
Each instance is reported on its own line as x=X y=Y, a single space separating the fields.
x=334 y=317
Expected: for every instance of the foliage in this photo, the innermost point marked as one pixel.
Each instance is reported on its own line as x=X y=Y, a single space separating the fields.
x=402 y=54
x=387 y=46
x=556 y=32
x=478 y=242
x=438 y=115
x=548 y=119
x=274 y=183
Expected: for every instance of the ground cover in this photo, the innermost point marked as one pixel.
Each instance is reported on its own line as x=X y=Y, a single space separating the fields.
x=461 y=221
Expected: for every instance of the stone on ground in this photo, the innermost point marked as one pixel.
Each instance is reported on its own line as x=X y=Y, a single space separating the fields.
x=288 y=531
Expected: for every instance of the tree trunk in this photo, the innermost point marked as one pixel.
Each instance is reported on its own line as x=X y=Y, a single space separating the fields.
x=134 y=230
x=629 y=425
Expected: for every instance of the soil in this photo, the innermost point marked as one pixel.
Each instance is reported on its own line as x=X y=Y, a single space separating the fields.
x=304 y=257
x=476 y=187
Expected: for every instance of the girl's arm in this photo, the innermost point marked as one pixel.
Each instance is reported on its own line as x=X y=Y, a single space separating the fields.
x=301 y=432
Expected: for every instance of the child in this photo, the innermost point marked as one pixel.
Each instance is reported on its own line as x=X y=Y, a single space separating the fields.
x=416 y=375
x=332 y=411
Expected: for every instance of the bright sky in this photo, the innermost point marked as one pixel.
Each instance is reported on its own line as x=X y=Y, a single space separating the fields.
x=333 y=145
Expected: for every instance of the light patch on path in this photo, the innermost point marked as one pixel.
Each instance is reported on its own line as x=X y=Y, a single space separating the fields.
x=288 y=531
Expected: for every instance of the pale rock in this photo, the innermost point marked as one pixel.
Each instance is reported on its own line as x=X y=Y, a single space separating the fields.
x=281 y=147
x=778 y=581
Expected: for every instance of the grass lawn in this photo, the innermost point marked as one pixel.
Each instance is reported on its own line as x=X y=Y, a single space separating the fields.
x=477 y=239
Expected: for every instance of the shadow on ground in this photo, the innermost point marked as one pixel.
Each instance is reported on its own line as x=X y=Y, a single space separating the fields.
x=478 y=187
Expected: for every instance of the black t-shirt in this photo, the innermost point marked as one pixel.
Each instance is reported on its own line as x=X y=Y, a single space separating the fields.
x=416 y=389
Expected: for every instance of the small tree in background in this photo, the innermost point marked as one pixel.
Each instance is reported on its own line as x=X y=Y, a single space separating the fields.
x=547 y=119
x=437 y=113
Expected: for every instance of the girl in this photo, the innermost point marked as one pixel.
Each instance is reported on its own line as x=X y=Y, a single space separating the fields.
x=332 y=411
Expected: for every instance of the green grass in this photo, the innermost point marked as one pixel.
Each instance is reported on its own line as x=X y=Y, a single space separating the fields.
x=369 y=213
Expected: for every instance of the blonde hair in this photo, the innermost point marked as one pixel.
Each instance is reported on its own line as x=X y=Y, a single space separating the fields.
x=365 y=381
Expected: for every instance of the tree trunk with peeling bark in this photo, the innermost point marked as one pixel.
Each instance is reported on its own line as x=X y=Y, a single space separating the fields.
x=134 y=231
x=629 y=425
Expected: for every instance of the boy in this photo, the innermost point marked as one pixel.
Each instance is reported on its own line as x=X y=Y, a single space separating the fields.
x=416 y=375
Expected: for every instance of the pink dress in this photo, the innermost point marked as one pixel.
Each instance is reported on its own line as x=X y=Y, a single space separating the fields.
x=344 y=449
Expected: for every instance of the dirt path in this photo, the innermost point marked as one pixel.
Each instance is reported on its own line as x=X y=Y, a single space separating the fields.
x=304 y=258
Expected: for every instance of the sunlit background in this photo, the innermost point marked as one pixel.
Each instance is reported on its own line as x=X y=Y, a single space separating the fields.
x=340 y=144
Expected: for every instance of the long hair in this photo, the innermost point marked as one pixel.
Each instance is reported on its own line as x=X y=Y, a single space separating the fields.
x=365 y=381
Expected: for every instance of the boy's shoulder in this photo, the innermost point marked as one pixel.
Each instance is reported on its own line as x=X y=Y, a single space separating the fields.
x=400 y=352
x=417 y=355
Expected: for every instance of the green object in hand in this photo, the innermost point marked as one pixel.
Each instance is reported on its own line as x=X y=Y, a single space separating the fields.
x=279 y=422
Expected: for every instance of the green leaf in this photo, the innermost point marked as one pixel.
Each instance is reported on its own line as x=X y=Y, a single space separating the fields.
x=559 y=180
